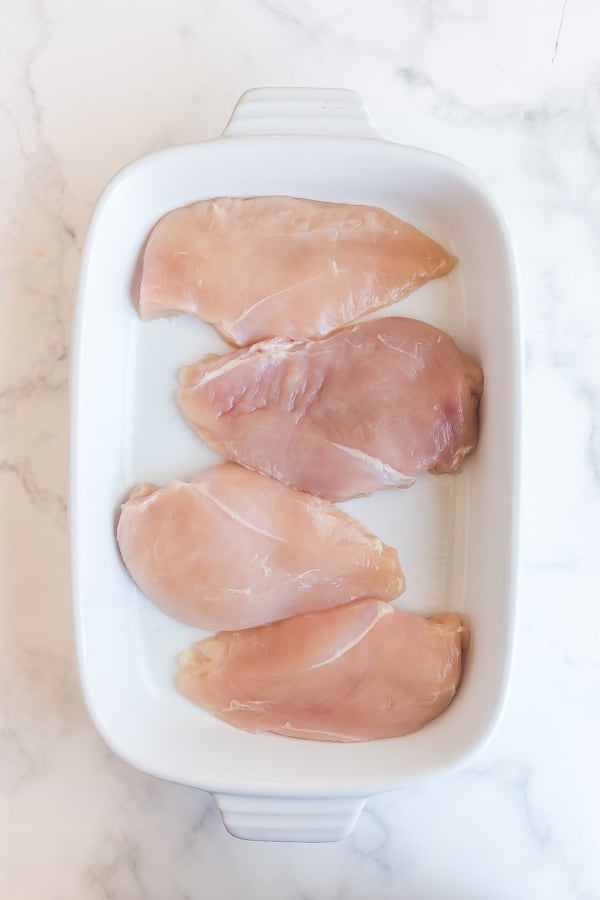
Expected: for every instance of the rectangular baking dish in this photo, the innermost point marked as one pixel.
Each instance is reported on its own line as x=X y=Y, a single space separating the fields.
x=456 y=535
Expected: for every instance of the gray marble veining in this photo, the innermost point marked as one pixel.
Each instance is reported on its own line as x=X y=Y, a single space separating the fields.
x=512 y=89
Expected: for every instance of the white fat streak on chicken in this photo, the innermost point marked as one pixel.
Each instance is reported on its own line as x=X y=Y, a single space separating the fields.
x=324 y=515
x=448 y=666
x=307 y=579
x=382 y=610
x=248 y=704
x=272 y=350
x=355 y=303
x=414 y=353
x=233 y=326
x=236 y=516
x=325 y=518
x=388 y=474
x=443 y=430
x=288 y=728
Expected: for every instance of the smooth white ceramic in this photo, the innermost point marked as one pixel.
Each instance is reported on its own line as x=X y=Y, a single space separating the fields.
x=456 y=535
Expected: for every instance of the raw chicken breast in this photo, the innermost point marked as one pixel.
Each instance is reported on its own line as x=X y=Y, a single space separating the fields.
x=232 y=549
x=354 y=673
x=365 y=409
x=277 y=266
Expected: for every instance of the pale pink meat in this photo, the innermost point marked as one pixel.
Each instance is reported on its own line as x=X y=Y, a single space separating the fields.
x=355 y=673
x=279 y=266
x=365 y=409
x=233 y=549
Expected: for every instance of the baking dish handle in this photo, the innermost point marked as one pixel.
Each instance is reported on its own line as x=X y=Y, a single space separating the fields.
x=313 y=819
x=284 y=111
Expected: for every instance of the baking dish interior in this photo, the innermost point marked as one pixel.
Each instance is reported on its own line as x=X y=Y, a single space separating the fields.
x=455 y=535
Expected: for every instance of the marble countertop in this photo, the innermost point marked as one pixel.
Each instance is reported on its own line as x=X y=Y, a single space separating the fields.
x=512 y=89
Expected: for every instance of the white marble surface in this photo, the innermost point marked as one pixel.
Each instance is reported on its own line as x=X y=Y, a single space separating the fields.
x=511 y=88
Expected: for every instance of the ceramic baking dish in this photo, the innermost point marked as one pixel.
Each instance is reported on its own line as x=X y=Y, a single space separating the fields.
x=456 y=535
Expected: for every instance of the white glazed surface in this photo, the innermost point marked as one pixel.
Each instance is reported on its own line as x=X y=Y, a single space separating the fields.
x=455 y=535
x=81 y=97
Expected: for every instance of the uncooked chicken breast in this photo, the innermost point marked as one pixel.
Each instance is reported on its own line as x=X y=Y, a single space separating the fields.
x=367 y=408
x=232 y=549
x=277 y=266
x=355 y=673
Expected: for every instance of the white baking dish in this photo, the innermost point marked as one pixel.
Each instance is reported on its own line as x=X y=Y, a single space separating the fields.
x=456 y=536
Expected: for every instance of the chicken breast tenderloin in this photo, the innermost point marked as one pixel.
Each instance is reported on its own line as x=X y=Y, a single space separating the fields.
x=279 y=266
x=365 y=409
x=355 y=673
x=233 y=549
